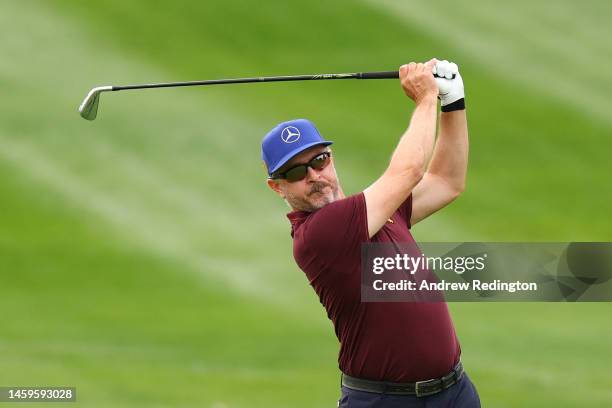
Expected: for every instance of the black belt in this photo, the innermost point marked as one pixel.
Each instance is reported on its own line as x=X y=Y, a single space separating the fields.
x=419 y=388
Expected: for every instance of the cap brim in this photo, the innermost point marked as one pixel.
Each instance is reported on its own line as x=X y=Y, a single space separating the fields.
x=294 y=153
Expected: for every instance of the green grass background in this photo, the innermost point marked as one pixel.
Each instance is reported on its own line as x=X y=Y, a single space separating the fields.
x=144 y=261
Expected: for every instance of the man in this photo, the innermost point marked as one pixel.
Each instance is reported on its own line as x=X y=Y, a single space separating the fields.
x=392 y=354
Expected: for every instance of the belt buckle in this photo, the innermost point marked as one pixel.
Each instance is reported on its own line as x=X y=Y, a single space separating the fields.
x=423 y=393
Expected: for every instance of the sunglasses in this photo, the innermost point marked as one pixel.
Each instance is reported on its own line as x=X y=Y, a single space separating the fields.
x=297 y=173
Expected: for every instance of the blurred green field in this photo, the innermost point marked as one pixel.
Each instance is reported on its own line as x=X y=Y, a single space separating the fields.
x=144 y=261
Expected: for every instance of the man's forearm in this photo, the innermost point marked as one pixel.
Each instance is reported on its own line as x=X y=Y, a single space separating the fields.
x=417 y=142
x=450 y=155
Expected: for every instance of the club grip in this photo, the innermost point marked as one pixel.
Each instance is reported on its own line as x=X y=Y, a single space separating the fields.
x=379 y=75
x=384 y=75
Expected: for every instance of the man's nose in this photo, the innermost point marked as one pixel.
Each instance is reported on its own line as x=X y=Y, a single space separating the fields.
x=312 y=174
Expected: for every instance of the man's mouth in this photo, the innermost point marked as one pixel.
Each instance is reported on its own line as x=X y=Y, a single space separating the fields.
x=319 y=189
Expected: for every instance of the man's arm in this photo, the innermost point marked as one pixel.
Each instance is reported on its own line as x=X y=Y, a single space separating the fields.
x=445 y=177
x=407 y=164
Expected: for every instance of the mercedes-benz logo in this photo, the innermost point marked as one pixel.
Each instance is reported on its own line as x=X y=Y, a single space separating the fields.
x=290 y=134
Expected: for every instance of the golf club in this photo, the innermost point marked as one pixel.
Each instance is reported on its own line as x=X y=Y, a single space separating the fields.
x=89 y=107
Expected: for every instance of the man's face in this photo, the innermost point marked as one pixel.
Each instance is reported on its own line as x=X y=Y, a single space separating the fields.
x=316 y=190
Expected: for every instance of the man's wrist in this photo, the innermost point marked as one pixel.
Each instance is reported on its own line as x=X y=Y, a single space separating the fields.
x=429 y=99
x=459 y=104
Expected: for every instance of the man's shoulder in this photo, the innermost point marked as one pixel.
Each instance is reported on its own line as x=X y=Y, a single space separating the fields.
x=330 y=235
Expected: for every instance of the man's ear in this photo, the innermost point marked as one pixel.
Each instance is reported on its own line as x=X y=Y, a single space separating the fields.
x=274 y=185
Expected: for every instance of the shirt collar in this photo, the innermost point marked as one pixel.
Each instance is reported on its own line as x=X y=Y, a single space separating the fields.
x=296 y=218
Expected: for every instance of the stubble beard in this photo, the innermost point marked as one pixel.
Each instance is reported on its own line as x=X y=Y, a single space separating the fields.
x=314 y=200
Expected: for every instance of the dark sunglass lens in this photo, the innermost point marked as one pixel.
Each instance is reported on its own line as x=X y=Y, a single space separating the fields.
x=296 y=173
x=320 y=161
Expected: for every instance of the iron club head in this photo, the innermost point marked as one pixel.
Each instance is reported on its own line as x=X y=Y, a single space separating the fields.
x=89 y=107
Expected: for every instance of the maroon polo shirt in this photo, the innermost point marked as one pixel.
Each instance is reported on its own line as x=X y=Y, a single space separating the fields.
x=392 y=341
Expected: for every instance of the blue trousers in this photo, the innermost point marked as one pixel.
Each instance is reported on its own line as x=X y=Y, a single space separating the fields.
x=461 y=395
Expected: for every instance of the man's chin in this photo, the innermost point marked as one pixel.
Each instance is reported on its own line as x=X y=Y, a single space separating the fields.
x=322 y=200
x=313 y=202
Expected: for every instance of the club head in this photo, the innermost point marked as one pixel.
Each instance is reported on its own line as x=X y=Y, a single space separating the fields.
x=89 y=107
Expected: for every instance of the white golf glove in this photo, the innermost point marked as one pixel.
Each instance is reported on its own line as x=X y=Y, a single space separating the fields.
x=450 y=85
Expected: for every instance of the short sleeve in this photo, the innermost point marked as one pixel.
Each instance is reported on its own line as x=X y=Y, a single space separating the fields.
x=338 y=229
x=405 y=210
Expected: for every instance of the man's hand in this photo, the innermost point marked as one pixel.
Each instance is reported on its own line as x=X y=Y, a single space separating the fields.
x=418 y=81
x=450 y=83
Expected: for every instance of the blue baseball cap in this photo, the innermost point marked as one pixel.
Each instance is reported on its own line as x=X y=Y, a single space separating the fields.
x=288 y=139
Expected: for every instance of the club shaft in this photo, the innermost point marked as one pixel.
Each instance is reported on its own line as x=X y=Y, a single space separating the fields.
x=316 y=77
